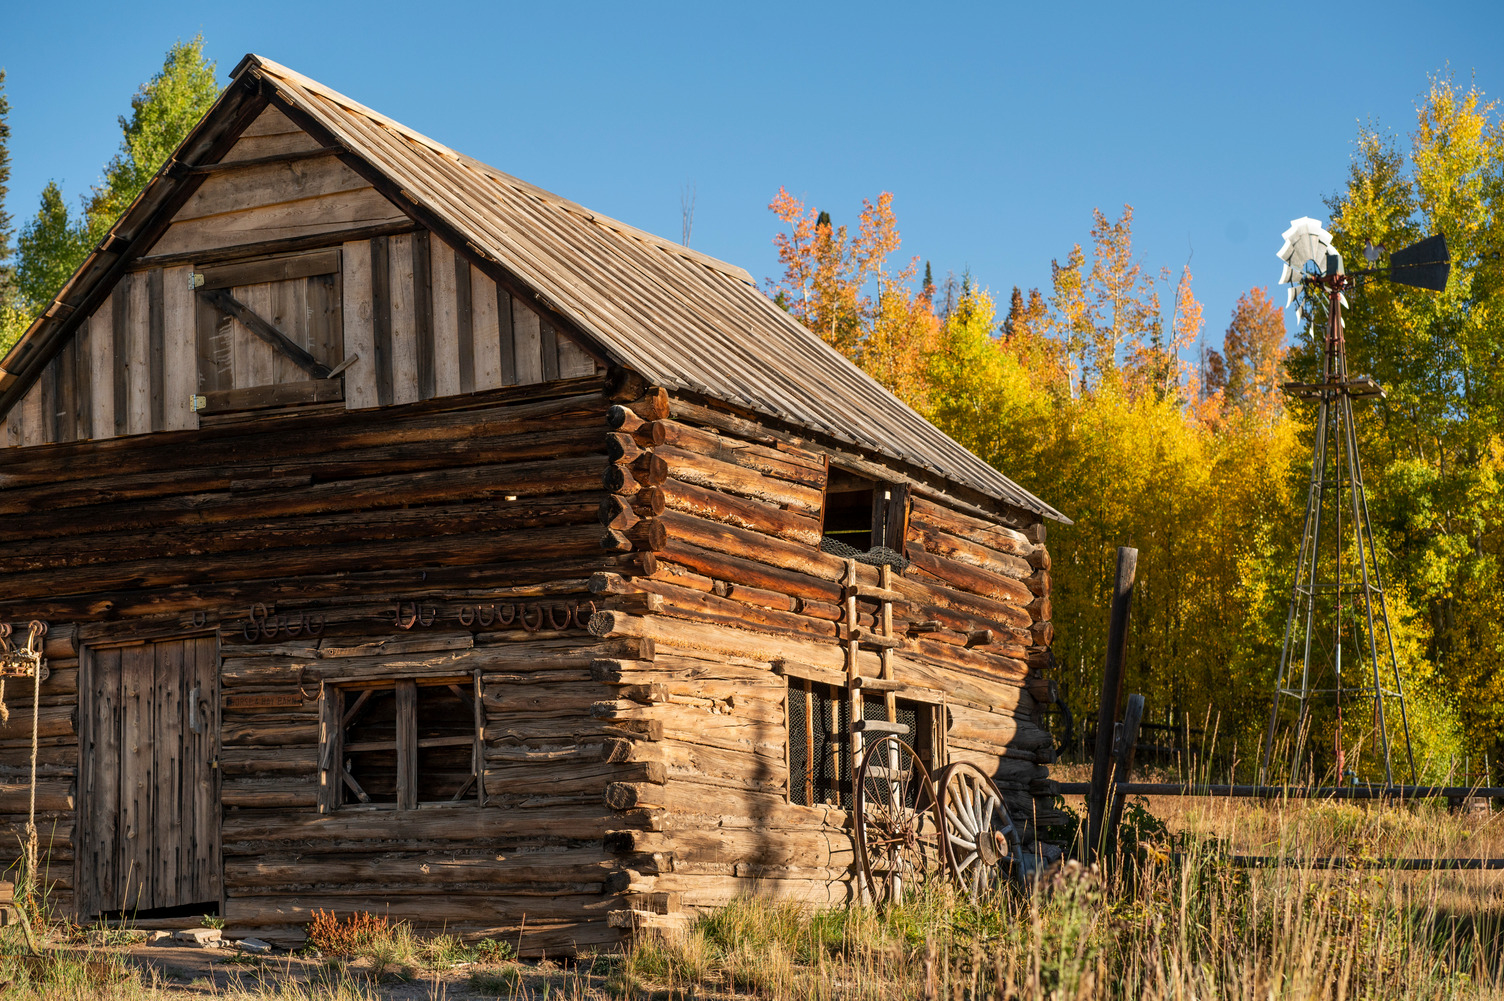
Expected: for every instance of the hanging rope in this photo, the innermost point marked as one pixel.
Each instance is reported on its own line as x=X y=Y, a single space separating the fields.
x=19 y=662
x=34 y=648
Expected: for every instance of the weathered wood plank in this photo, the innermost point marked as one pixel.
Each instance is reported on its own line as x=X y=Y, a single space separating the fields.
x=464 y=321
x=137 y=331
x=400 y=289
x=486 y=334
x=272 y=269
x=271 y=184
x=573 y=360
x=172 y=809
x=255 y=360
x=101 y=372
x=137 y=668
x=527 y=343
x=156 y=347
x=179 y=351
x=359 y=312
x=284 y=221
x=255 y=147
x=423 y=340
x=121 y=352
x=447 y=349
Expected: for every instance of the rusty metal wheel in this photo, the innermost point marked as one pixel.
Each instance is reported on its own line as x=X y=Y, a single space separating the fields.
x=897 y=843
x=979 y=843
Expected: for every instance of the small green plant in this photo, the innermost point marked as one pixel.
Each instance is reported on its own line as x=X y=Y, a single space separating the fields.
x=493 y=950
x=214 y=921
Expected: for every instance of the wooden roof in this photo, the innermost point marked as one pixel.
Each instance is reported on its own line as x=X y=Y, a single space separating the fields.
x=682 y=319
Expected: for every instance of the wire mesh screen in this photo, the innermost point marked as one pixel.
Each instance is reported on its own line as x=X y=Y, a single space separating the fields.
x=819 y=769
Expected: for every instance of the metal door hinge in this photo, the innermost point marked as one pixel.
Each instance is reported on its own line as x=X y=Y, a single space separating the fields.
x=197 y=403
x=195 y=280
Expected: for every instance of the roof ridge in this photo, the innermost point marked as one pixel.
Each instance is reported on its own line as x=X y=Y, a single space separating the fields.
x=276 y=69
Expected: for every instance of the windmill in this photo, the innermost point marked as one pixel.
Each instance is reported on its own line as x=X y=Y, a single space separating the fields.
x=1338 y=648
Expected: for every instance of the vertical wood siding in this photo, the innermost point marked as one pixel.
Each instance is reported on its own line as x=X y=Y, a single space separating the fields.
x=424 y=322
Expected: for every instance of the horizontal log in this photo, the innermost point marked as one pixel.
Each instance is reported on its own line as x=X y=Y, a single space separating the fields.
x=713 y=474
x=924 y=512
x=685 y=635
x=715 y=505
x=755 y=546
x=963 y=551
x=970 y=578
x=807 y=469
x=685 y=603
x=51 y=795
x=758 y=596
x=585 y=864
x=725 y=567
x=51 y=721
x=324 y=437
x=559 y=541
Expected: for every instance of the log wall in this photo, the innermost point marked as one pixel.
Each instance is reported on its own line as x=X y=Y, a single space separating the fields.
x=740 y=595
x=628 y=771
x=479 y=514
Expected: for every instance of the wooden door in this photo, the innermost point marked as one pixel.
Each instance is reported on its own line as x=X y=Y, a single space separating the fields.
x=148 y=781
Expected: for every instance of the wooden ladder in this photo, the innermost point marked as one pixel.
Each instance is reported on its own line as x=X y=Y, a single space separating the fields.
x=883 y=641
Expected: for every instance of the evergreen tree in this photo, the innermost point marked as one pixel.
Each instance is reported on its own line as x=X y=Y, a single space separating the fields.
x=54 y=243
x=7 y=230
x=163 y=111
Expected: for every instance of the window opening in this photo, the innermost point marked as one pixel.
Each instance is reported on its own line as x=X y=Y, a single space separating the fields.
x=819 y=747
x=406 y=744
x=865 y=520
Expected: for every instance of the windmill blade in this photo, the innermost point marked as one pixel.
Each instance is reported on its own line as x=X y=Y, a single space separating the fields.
x=1422 y=265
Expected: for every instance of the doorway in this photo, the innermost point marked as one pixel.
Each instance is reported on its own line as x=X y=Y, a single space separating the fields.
x=148 y=777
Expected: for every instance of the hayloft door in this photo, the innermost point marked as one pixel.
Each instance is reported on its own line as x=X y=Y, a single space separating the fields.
x=148 y=782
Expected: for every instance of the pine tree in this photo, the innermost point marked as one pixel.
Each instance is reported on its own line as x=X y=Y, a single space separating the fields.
x=54 y=243
x=7 y=230
x=163 y=111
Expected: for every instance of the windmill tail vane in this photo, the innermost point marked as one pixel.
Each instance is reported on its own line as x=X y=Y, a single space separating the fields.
x=1337 y=603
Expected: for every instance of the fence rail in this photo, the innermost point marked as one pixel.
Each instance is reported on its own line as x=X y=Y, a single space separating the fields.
x=1287 y=792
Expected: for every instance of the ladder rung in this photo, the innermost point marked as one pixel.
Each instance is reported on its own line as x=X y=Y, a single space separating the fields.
x=874 y=593
x=876 y=641
x=880 y=726
x=875 y=684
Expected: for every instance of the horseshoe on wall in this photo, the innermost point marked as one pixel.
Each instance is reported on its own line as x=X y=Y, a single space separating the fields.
x=589 y=610
x=411 y=621
x=532 y=627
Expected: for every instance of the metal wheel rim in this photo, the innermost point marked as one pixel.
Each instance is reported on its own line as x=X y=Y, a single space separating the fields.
x=974 y=825
x=895 y=852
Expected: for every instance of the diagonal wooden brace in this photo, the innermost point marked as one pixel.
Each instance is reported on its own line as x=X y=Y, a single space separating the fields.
x=231 y=306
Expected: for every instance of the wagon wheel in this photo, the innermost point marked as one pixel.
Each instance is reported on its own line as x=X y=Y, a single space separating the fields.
x=980 y=845
x=896 y=841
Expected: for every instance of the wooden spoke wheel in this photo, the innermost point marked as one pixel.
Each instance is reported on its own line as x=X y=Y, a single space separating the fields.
x=896 y=841
x=978 y=840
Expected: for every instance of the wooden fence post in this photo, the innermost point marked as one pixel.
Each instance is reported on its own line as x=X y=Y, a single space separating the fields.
x=1112 y=695
x=1133 y=717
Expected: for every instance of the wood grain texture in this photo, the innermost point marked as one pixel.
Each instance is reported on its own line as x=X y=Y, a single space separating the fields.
x=102 y=371
x=179 y=351
x=138 y=354
x=404 y=320
x=358 y=314
x=486 y=331
x=446 y=319
x=527 y=344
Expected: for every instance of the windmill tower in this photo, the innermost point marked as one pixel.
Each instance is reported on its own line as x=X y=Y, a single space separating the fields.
x=1337 y=670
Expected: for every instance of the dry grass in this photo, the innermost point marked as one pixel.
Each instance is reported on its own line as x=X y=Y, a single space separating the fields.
x=1178 y=922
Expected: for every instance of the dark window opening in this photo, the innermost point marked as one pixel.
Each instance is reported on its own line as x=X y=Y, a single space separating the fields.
x=406 y=744
x=865 y=520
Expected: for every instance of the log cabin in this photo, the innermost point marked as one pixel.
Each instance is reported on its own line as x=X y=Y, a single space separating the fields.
x=412 y=540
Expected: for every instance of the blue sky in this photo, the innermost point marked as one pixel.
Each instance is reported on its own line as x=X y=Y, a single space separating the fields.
x=998 y=128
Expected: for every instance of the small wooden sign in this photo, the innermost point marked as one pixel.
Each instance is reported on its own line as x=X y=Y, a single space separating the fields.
x=262 y=701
